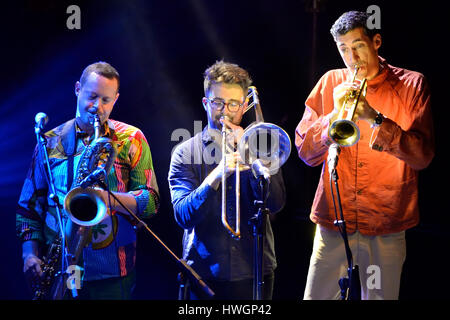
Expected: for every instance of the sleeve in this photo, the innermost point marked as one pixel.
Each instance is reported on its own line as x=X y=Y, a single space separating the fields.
x=143 y=185
x=277 y=192
x=311 y=135
x=414 y=143
x=32 y=203
x=190 y=197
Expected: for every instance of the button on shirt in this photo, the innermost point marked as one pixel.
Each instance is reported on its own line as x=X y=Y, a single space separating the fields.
x=207 y=245
x=378 y=176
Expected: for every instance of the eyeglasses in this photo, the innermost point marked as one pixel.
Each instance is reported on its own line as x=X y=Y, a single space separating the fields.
x=219 y=104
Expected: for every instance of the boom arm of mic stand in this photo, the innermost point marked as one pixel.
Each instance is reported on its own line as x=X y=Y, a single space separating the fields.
x=186 y=269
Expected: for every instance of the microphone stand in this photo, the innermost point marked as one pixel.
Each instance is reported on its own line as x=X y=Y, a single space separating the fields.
x=42 y=149
x=259 y=228
x=350 y=287
x=185 y=268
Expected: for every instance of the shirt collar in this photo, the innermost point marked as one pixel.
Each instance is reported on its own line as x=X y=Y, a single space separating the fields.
x=105 y=130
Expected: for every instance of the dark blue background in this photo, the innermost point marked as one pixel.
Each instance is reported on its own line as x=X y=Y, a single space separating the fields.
x=161 y=49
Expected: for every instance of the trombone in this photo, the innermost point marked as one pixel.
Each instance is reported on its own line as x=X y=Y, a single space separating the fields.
x=260 y=141
x=344 y=130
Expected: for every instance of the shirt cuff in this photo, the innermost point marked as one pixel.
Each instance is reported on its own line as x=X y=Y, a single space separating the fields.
x=26 y=232
x=142 y=198
x=383 y=135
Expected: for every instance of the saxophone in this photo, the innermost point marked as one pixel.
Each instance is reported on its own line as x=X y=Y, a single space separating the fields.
x=40 y=286
x=85 y=208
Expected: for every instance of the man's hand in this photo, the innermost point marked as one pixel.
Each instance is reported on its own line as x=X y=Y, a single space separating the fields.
x=30 y=260
x=363 y=110
x=126 y=198
x=236 y=130
x=33 y=264
x=231 y=161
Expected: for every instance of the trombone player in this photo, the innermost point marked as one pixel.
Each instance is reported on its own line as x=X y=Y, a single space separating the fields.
x=195 y=181
x=378 y=169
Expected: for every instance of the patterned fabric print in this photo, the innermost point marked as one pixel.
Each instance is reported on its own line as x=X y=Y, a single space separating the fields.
x=127 y=257
x=35 y=219
x=104 y=232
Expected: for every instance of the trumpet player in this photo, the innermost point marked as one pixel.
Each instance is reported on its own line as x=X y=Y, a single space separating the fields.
x=108 y=259
x=377 y=174
x=223 y=262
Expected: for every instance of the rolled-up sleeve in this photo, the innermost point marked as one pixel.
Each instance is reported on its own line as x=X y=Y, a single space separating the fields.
x=143 y=185
x=413 y=139
x=32 y=203
x=311 y=135
x=189 y=195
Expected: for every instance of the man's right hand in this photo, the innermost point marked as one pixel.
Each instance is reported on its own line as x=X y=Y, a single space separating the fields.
x=33 y=264
x=339 y=94
x=215 y=177
x=30 y=260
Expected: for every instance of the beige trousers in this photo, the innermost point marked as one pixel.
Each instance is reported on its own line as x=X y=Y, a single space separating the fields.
x=380 y=260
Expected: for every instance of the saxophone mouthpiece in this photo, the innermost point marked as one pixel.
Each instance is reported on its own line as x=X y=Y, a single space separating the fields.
x=96 y=126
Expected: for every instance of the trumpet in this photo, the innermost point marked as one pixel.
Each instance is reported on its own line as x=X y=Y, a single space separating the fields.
x=262 y=141
x=344 y=130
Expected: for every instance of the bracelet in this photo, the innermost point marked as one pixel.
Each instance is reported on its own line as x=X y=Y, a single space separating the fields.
x=378 y=121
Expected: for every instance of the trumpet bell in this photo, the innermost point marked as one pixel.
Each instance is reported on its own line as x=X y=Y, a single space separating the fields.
x=344 y=132
x=85 y=207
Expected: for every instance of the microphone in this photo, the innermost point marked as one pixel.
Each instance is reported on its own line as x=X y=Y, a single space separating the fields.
x=259 y=170
x=41 y=119
x=333 y=156
x=92 y=178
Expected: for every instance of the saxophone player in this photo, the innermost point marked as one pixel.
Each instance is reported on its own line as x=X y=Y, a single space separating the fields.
x=108 y=260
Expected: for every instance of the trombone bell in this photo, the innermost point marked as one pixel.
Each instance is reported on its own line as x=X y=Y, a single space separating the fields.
x=261 y=141
x=266 y=142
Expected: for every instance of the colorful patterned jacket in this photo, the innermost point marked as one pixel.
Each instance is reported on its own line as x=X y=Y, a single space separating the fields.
x=112 y=249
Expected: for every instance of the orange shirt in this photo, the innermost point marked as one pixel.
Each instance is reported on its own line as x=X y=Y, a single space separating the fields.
x=378 y=176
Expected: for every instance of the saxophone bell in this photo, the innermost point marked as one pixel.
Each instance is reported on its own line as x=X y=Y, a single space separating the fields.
x=84 y=203
x=344 y=131
x=85 y=206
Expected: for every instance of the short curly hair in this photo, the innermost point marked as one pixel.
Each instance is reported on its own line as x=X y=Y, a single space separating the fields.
x=102 y=68
x=350 y=21
x=225 y=72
